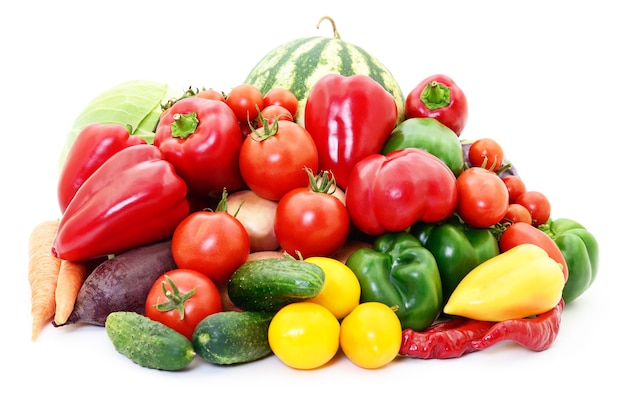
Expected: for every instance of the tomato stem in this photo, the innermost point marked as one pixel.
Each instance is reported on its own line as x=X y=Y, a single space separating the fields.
x=175 y=299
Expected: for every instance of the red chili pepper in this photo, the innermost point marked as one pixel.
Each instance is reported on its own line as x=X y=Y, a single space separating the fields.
x=444 y=340
x=438 y=97
x=94 y=144
x=535 y=333
x=348 y=118
x=133 y=199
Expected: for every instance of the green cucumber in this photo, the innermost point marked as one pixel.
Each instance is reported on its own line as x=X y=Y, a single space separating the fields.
x=147 y=342
x=232 y=337
x=267 y=285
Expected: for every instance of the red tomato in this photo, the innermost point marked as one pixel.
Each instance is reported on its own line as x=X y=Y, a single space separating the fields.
x=213 y=243
x=486 y=153
x=211 y=94
x=517 y=213
x=514 y=185
x=311 y=223
x=483 y=197
x=282 y=97
x=538 y=205
x=273 y=165
x=181 y=298
x=246 y=101
x=271 y=112
x=517 y=234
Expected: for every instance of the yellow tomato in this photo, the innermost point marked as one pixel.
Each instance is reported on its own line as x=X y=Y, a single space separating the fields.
x=371 y=335
x=341 y=291
x=304 y=335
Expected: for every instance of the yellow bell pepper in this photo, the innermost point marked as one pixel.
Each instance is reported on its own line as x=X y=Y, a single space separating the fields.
x=521 y=282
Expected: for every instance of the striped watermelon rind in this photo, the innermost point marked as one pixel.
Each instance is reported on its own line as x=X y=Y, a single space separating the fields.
x=298 y=64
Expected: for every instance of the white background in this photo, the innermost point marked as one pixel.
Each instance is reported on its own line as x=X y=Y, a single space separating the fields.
x=545 y=79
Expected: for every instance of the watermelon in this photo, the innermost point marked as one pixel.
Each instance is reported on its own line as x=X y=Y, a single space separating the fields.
x=298 y=64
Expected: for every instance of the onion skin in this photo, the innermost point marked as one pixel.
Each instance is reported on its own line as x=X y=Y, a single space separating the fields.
x=257 y=215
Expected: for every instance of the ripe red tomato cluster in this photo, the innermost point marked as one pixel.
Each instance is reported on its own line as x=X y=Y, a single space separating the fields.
x=485 y=198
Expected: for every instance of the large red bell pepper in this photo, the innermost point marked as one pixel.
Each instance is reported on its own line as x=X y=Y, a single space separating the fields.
x=202 y=139
x=392 y=192
x=132 y=199
x=348 y=118
x=93 y=145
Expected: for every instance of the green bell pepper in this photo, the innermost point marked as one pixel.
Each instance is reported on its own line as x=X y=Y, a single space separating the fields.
x=431 y=136
x=457 y=248
x=581 y=252
x=399 y=272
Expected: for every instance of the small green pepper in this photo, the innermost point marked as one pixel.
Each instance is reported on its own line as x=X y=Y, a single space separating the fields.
x=399 y=272
x=581 y=252
x=457 y=248
x=431 y=136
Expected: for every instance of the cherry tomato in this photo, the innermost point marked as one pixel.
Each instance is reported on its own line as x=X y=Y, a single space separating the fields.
x=181 y=298
x=517 y=234
x=514 y=185
x=214 y=243
x=211 y=94
x=483 y=197
x=246 y=101
x=282 y=97
x=486 y=153
x=370 y=336
x=272 y=112
x=273 y=162
x=304 y=335
x=311 y=223
x=517 y=213
x=538 y=205
x=342 y=291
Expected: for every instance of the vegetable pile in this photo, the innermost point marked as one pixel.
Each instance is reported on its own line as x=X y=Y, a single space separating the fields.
x=234 y=226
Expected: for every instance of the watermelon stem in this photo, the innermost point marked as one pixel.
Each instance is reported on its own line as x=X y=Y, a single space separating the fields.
x=335 y=32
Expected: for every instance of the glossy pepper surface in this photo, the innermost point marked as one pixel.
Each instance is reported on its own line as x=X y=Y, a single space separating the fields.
x=202 y=139
x=132 y=199
x=581 y=251
x=458 y=249
x=438 y=97
x=348 y=118
x=431 y=136
x=92 y=147
x=389 y=193
x=521 y=282
x=399 y=272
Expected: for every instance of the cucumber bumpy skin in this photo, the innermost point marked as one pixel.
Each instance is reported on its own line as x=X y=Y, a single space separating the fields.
x=232 y=337
x=266 y=285
x=147 y=342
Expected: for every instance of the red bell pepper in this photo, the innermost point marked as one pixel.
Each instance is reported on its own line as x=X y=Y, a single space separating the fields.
x=348 y=118
x=133 y=199
x=202 y=139
x=93 y=145
x=392 y=192
x=438 y=97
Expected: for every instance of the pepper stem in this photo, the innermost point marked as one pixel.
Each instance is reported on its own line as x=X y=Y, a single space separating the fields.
x=184 y=124
x=435 y=95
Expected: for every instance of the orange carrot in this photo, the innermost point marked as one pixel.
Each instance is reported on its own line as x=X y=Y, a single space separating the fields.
x=43 y=271
x=72 y=274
